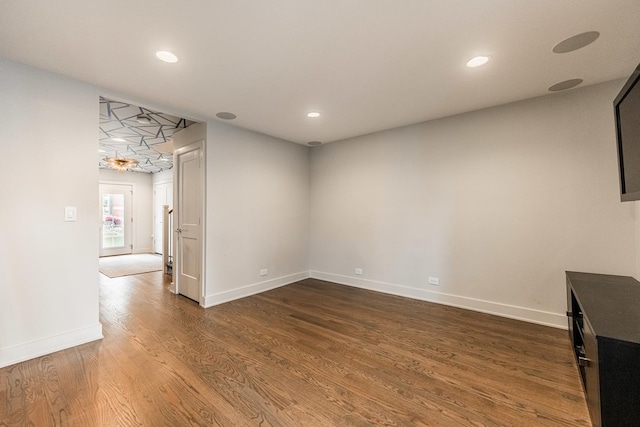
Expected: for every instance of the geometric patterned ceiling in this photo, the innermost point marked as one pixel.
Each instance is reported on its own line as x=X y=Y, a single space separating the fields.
x=132 y=132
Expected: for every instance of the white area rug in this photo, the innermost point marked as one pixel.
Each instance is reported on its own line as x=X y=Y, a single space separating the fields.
x=126 y=265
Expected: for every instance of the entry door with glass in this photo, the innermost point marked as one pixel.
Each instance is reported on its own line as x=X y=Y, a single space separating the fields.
x=116 y=223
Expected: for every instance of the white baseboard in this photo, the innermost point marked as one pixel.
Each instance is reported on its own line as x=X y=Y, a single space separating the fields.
x=256 y=288
x=504 y=310
x=20 y=353
x=144 y=251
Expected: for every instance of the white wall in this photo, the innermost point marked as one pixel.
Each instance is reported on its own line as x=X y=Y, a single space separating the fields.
x=194 y=133
x=497 y=203
x=142 y=209
x=161 y=177
x=48 y=267
x=257 y=212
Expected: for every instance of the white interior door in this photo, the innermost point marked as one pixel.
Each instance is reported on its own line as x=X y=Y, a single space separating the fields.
x=162 y=195
x=188 y=220
x=115 y=219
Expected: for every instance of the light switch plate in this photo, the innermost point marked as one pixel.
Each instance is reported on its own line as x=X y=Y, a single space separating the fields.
x=70 y=213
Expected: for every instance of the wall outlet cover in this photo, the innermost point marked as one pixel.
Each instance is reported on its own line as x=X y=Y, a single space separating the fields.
x=264 y=272
x=434 y=280
x=359 y=271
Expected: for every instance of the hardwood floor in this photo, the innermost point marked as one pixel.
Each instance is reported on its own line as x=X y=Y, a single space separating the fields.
x=309 y=354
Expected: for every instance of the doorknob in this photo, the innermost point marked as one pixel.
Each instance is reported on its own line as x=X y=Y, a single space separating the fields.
x=178 y=230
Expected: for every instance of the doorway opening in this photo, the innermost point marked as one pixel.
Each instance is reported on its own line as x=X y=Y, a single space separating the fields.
x=144 y=139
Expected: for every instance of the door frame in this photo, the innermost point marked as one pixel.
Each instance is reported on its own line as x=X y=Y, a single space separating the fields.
x=197 y=145
x=155 y=202
x=131 y=212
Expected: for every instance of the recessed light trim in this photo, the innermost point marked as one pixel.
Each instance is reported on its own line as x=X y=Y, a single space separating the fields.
x=118 y=139
x=314 y=143
x=166 y=56
x=564 y=85
x=225 y=115
x=313 y=114
x=143 y=120
x=576 y=42
x=478 y=61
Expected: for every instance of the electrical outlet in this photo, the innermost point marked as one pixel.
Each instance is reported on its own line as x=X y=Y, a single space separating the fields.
x=359 y=271
x=264 y=272
x=434 y=281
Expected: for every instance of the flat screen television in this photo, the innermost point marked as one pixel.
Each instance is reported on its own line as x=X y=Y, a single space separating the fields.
x=627 y=115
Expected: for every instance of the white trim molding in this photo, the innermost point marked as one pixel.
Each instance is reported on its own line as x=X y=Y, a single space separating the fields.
x=20 y=353
x=255 y=288
x=504 y=310
x=143 y=251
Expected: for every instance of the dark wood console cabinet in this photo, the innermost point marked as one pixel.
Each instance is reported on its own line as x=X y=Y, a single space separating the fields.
x=604 y=326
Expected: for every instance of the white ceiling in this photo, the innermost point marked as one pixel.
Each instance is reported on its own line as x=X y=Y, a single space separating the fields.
x=366 y=65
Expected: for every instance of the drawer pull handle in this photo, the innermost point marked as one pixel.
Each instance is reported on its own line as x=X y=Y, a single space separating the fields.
x=583 y=361
x=569 y=314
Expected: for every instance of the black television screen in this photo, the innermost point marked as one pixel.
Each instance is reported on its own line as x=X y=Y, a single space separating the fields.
x=627 y=114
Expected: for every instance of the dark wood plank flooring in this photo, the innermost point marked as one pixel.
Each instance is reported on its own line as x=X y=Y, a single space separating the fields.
x=308 y=354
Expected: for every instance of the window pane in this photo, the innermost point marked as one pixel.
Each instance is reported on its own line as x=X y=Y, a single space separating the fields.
x=113 y=221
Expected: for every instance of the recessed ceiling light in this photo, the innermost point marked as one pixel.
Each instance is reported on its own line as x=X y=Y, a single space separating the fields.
x=313 y=114
x=118 y=139
x=142 y=119
x=225 y=115
x=101 y=151
x=166 y=56
x=576 y=42
x=478 y=61
x=314 y=143
x=567 y=84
